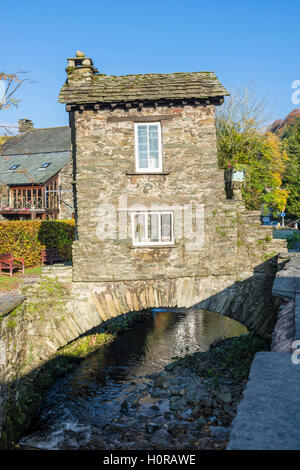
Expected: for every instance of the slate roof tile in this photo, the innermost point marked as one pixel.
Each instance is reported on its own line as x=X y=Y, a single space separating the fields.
x=108 y=89
x=30 y=150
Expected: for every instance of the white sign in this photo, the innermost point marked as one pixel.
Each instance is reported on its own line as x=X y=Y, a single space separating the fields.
x=238 y=175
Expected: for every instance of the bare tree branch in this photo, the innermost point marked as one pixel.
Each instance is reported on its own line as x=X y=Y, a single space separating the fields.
x=9 y=84
x=245 y=106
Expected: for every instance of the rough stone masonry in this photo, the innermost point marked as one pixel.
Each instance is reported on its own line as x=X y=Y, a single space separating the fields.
x=236 y=250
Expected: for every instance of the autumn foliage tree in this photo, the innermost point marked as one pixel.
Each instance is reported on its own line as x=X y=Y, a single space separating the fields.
x=264 y=173
x=243 y=145
x=291 y=142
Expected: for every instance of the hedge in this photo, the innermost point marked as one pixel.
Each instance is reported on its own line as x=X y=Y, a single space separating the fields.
x=24 y=239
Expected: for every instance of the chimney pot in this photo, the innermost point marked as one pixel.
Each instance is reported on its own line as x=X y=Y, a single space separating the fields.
x=80 y=69
x=25 y=125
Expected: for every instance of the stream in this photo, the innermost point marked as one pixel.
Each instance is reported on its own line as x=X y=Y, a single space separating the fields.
x=105 y=402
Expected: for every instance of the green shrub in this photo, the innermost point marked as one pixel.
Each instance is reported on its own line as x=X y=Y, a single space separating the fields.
x=24 y=239
x=292 y=239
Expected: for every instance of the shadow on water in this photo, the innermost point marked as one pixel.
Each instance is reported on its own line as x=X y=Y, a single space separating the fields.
x=79 y=406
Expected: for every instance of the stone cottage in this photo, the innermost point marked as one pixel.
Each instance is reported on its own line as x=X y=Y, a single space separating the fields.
x=150 y=141
x=36 y=174
x=154 y=225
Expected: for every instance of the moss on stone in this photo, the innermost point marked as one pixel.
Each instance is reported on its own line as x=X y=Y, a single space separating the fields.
x=84 y=346
x=11 y=323
x=30 y=385
x=230 y=357
x=267 y=256
x=220 y=232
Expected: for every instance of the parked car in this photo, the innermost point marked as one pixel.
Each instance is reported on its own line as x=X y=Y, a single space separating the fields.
x=271 y=222
x=295 y=224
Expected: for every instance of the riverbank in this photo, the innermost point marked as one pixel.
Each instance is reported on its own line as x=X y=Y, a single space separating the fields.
x=190 y=404
x=27 y=393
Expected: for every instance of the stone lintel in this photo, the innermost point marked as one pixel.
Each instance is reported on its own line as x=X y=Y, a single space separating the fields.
x=139 y=118
x=134 y=173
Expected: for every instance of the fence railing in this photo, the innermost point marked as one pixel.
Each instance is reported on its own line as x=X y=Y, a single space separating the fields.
x=15 y=203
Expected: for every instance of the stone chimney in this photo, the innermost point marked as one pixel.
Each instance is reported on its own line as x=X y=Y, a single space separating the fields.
x=25 y=125
x=80 y=69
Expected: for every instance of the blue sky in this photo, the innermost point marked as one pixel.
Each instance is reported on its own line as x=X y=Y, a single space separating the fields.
x=242 y=41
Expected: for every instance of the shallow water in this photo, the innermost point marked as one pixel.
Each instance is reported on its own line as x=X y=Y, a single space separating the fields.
x=77 y=407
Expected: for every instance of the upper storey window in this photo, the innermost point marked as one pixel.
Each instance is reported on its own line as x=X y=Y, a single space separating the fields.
x=148 y=147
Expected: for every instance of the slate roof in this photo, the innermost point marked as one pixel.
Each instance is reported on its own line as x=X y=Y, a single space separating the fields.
x=148 y=87
x=30 y=150
x=52 y=139
x=28 y=172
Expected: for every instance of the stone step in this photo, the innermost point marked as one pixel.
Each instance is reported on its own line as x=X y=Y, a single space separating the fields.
x=9 y=303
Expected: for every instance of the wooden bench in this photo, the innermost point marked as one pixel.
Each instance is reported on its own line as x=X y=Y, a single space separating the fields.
x=50 y=255
x=7 y=261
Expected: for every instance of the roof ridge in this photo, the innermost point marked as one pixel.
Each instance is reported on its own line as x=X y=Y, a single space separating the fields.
x=32 y=153
x=45 y=128
x=157 y=73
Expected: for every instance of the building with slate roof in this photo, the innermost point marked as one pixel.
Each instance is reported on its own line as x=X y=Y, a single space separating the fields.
x=143 y=149
x=36 y=174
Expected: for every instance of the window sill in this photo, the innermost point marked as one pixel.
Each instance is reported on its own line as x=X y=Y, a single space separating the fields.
x=134 y=247
x=140 y=173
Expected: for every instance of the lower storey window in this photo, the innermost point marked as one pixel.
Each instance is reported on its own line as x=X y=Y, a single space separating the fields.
x=152 y=228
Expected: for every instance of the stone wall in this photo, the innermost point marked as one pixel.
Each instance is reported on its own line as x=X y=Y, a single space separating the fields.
x=66 y=208
x=234 y=240
x=105 y=167
x=286 y=289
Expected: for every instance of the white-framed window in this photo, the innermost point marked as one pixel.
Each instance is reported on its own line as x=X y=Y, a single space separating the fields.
x=148 y=147
x=152 y=228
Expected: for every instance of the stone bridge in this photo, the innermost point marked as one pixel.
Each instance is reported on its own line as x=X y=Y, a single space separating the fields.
x=245 y=296
x=58 y=310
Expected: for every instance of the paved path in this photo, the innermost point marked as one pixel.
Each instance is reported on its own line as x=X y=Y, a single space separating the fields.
x=269 y=414
x=268 y=417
